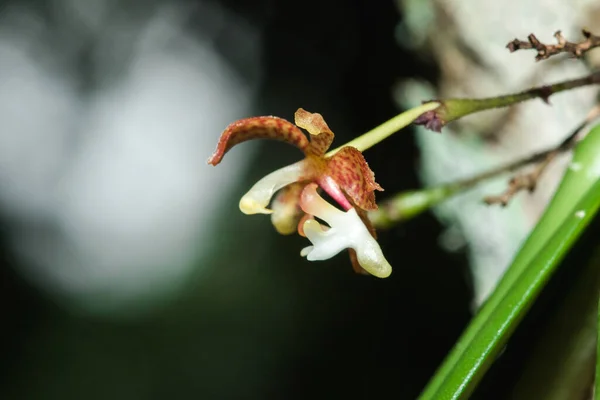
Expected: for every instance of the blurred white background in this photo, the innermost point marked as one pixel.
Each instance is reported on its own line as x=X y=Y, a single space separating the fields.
x=103 y=176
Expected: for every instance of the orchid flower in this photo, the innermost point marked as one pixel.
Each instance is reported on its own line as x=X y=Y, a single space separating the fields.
x=293 y=194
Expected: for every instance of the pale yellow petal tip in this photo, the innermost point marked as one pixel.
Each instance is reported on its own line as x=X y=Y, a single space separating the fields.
x=250 y=206
x=380 y=271
x=372 y=260
x=377 y=266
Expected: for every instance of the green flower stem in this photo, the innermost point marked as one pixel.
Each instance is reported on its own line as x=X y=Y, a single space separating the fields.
x=387 y=129
x=571 y=209
x=452 y=109
x=409 y=204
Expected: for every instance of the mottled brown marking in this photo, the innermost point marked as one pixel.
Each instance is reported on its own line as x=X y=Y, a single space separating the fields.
x=350 y=170
x=258 y=128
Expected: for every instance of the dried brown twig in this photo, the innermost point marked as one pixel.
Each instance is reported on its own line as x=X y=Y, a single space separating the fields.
x=521 y=182
x=545 y=51
x=528 y=181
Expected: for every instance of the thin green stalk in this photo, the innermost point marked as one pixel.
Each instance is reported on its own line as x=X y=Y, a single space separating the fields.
x=453 y=109
x=409 y=204
x=435 y=114
x=461 y=107
x=412 y=203
x=387 y=129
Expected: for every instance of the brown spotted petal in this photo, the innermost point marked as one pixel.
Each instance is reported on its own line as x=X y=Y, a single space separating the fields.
x=258 y=128
x=321 y=136
x=286 y=209
x=350 y=170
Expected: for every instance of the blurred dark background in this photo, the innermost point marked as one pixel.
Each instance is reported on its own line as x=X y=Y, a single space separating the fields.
x=247 y=318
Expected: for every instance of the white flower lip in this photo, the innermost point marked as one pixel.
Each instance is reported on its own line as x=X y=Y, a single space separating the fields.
x=258 y=197
x=346 y=230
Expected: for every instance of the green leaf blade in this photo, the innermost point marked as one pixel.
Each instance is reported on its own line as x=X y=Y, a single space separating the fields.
x=573 y=206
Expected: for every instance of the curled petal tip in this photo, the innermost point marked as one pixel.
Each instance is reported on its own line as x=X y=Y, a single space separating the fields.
x=250 y=206
x=212 y=161
x=321 y=136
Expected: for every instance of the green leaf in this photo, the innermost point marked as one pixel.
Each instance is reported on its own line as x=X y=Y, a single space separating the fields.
x=573 y=206
x=597 y=383
x=561 y=362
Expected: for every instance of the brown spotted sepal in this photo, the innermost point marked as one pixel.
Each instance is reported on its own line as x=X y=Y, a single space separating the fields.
x=258 y=128
x=350 y=170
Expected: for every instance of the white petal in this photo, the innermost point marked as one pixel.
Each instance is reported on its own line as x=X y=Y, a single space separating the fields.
x=258 y=197
x=346 y=230
x=326 y=243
